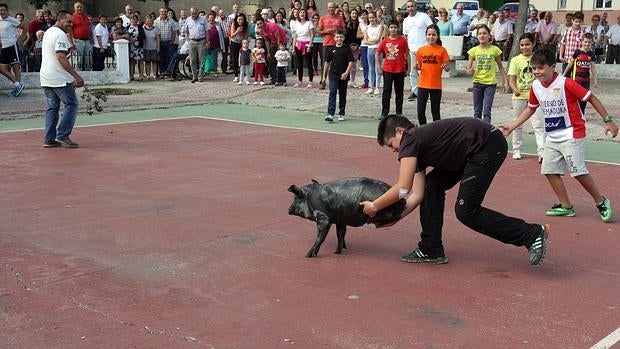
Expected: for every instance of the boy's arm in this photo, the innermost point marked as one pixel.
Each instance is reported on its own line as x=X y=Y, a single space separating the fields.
x=610 y=126
x=325 y=71
x=561 y=52
x=593 y=71
x=415 y=199
x=405 y=182
x=347 y=71
x=526 y=114
x=569 y=66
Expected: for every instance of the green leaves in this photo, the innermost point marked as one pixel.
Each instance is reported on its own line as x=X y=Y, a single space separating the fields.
x=94 y=99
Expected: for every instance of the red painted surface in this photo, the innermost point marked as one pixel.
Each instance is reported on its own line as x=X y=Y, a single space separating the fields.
x=172 y=233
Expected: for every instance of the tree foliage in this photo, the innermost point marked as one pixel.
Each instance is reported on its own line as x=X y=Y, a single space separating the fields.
x=40 y=3
x=166 y=2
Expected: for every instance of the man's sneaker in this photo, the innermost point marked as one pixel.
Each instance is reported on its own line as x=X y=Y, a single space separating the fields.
x=417 y=256
x=329 y=118
x=370 y=91
x=236 y=79
x=67 y=142
x=377 y=92
x=516 y=154
x=341 y=118
x=412 y=96
x=51 y=144
x=18 y=90
x=604 y=208
x=560 y=211
x=539 y=247
x=12 y=93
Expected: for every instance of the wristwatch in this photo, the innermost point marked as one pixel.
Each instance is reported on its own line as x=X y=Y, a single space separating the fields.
x=608 y=118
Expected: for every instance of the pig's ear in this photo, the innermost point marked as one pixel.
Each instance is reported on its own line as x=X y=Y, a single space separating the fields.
x=315 y=181
x=295 y=190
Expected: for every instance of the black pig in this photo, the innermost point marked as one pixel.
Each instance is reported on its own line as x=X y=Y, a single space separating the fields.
x=338 y=202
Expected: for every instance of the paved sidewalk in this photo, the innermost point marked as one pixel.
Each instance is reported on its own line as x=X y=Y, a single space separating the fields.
x=456 y=100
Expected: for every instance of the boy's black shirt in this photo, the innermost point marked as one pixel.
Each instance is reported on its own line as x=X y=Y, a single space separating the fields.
x=444 y=144
x=339 y=57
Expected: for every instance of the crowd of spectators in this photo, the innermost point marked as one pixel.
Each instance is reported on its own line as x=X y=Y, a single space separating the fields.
x=156 y=39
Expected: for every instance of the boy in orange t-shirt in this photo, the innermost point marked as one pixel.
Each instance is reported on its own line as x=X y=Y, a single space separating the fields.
x=430 y=60
x=395 y=67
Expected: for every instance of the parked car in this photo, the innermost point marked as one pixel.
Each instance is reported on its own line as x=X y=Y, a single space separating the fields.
x=470 y=8
x=514 y=9
x=421 y=6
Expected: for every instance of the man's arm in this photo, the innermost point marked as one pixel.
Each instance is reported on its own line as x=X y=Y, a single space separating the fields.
x=66 y=65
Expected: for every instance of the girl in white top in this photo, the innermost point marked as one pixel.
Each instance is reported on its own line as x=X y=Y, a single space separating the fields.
x=302 y=46
x=372 y=38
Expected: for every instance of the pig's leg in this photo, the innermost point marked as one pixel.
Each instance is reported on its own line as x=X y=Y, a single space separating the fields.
x=323 y=225
x=341 y=231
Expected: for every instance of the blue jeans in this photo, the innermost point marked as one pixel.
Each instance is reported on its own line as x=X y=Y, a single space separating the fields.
x=340 y=87
x=375 y=79
x=363 y=54
x=483 y=100
x=413 y=74
x=166 y=52
x=54 y=96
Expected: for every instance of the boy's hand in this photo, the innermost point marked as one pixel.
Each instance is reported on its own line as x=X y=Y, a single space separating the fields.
x=506 y=129
x=369 y=208
x=322 y=85
x=344 y=76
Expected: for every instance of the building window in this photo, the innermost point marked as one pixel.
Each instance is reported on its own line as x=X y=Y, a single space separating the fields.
x=561 y=4
x=602 y=4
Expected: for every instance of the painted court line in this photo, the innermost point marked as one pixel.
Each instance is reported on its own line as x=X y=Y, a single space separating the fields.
x=248 y=123
x=608 y=341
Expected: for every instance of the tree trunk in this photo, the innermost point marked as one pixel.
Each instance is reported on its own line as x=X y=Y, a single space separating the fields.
x=524 y=5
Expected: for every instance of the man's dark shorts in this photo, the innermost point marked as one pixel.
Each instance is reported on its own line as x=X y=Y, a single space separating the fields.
x=9 y=55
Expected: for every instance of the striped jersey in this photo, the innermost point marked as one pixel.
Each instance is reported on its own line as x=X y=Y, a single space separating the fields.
x=559 y=103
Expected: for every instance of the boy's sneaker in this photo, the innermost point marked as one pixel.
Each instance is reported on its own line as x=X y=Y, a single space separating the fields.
x=247 y=82
x=12 y=93
x=341 y=118
x=560 y=211
x=417 y=256
x=236 y=79
x=329 y=118
x=604 y=208
x=239 y=83
x=377 y=92
x=370 y=91
x=539 y=247
x=255 y=82
x=261 y=83
x=18 y=90
x=516 y=154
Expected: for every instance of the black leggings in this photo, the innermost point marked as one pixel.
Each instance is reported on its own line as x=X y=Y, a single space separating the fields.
x=234 y=56
x=423 y=94
x=317 y=51
x=299 y=64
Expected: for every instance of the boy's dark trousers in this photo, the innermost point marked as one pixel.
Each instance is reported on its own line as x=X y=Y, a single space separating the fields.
x=340 y=87
x=398 y=79
x=281 y=75
x=98 y=59
x=475 y=177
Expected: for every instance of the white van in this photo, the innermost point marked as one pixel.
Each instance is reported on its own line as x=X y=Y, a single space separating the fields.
x=470 y=8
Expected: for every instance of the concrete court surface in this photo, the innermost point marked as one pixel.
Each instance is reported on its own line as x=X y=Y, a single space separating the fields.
x=174 y=233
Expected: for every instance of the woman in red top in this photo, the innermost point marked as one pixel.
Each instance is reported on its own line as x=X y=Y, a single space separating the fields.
x=395 y=67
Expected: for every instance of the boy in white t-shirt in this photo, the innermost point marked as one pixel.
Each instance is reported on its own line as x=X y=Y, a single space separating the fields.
x=282 y=57
x=100 y=45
